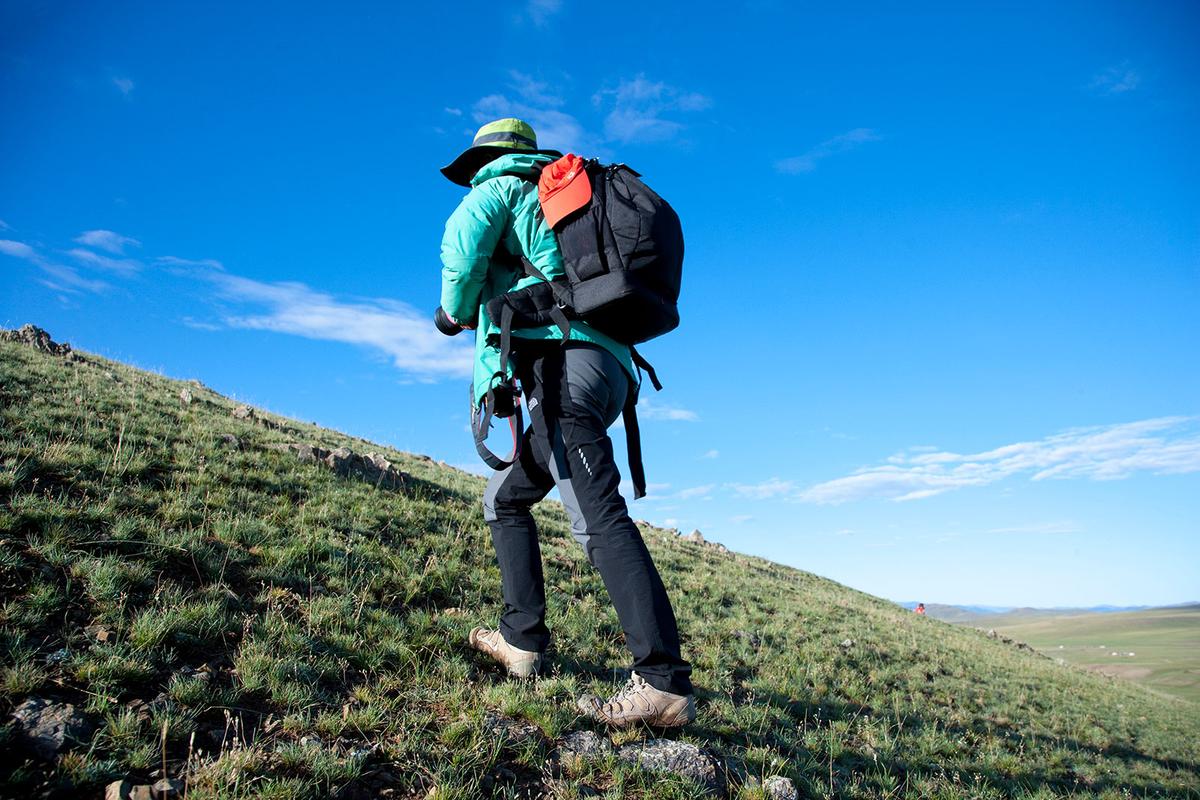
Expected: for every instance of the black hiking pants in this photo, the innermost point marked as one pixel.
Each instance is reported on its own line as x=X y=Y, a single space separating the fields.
x=574 y=392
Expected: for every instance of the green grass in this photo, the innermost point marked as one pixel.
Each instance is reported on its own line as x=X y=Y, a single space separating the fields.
x=280 y=631
x=1164 y=643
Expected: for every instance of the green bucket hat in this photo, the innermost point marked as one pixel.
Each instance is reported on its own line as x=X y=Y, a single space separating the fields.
x=499 y=138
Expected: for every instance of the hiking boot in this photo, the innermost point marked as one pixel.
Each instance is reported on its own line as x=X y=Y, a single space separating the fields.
x=519 y=663
x=640 y=703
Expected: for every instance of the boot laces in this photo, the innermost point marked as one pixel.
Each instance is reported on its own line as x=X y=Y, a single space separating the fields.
x=634 y=686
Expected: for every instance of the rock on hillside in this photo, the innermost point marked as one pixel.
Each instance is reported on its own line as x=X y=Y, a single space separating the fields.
x=35 y=337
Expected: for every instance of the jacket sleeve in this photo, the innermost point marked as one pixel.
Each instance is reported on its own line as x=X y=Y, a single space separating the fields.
x=472 y=233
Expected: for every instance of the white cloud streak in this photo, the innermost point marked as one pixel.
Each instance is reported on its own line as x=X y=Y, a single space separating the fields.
x=637 y=110
x=59 y=277
x=17 y=249
x=766 y=490
x=108 y=241
x=121 y=266
x=807 y=162
x=541 y=11
x=640 y=108
x=124 y=85
x=188 y=266
x=1117 y=79
x=1164 y=445
x=540 y=107
x=390 y=327
x=648 y=408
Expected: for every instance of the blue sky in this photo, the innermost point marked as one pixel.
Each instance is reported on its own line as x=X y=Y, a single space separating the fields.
x=940 y=305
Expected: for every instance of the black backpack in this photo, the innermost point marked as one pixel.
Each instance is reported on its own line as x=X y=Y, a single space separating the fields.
x=623 y=259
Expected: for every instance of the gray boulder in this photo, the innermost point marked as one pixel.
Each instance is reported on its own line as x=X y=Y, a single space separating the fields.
x=513 y=732
x=780 y=788
x=677 y=758
x=583 y=746
x=49 y=728
x=38 y=339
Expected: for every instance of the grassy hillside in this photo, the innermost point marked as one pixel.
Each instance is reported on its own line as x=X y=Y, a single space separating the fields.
x=260 y=625
x=1158 y=647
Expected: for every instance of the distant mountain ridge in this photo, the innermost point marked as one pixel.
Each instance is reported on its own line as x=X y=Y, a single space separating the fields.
x=964 y=613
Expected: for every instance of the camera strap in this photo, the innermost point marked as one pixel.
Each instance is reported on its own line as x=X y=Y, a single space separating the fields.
x=506 y=398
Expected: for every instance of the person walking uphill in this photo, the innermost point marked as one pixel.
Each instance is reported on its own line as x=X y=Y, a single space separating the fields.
x=575 y=382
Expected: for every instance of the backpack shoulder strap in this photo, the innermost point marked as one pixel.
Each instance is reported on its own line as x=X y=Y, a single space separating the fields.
x=633 y=434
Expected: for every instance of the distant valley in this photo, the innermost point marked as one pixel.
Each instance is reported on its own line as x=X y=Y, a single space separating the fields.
x=1158 y=647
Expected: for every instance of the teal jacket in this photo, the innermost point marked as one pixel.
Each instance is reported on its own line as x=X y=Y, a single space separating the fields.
x=502 y=207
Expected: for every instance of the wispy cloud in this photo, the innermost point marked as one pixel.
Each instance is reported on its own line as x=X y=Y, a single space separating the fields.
x=390 y=327
x=649 y=408
x=541 y=11
x=641 y=110
x=1164 y=445
x=1117 y=79
x=636 y=110
x=841 y=143
x=121 y=266
x=695 y=492
x=4 y=226
x=17 y=249
x=124 y=85
x=108 y=241
x=766 y=490
x=454 y=112
x=535 y=103
x=188 y=266
x=712 y=454
x=58 y=277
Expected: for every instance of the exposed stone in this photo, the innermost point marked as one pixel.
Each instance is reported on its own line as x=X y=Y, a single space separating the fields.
x=512 y=732
x=780 y=788
x=372 y=467
x=679 y=758
x=38 y=339
x=243 y=412
x=100 y=633
x=341 y=460
x=166 y=789
x=48 y=728
x=142 y=792
x=583 y=746
x=118 y=790
x=185 y=396
x=230 y=441
x=695 y=536
x=847 y=644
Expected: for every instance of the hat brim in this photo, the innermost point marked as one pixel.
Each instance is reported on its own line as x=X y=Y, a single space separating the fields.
x=471 y=160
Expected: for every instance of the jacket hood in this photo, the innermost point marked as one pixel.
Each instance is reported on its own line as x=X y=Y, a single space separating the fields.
x=514 y=164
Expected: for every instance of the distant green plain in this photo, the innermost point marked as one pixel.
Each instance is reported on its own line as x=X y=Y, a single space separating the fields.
x=1158 y=648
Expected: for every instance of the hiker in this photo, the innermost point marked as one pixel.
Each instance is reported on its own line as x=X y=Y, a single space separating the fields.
x=920 y=609
x=574 y=389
